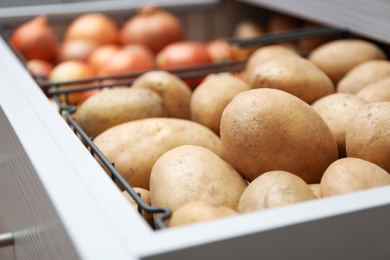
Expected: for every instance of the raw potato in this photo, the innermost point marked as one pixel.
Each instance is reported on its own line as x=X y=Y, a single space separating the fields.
x=377 y=91
x=192 y=172
x=337 y=111
x=368 y=134
x=114 y=106
x=135 y=146
x=145 y=196
x=352 y=174
x=175 y=93
x=338 y=57
x=198 y=211
x=292 y=74
x=364 y=74
x=274 y=189
x=211 y=97
x=264 y=53
x=247 y=29
x=269 y=129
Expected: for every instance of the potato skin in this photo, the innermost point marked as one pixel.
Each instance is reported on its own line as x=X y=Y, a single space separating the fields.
x=136 y=145
x=292 y=74
x=368 y=134
x=198 y=211
x=269 y=129
x=274 y=189
x=337 y=57
x=190 y=172
x=364 y=74
x=210 y=98
x=350 y=174
x=337 y=110
x=145 y=196
x=264 y=53
x=377 y=91
x=175 y=93
x=114 y=106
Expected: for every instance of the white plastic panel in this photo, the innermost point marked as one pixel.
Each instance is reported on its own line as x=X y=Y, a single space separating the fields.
x=369 y=18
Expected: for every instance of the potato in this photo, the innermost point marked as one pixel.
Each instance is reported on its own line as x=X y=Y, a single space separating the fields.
x=350 y=174
x=198 y=211
x=191 y=172
x=368 y=134
x=264 y=53
x=210 y=98
x=175 y=93
x=274 y=189
x=114 y=106
x=145 y=196
x=337 y=111
x=338 y=57
x=292 y=74
x=247 y=29
x=377 y=91
x=364 y=74
x=269 y=129
x=136 y=145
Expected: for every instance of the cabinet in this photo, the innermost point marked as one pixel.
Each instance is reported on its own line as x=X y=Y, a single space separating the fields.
x=58 y=203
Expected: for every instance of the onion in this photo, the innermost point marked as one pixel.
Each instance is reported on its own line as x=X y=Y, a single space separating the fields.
x=72 y=70
x=130 y=58
x=99 y=56
x=183 y=53
x=39 y=67
x=35 y=39
x=94 y=27
x=153 y=27
x=76 y=50
x=220 y=50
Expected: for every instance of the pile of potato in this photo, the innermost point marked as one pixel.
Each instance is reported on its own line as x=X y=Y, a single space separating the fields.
x=286 y=129
x=290 y=129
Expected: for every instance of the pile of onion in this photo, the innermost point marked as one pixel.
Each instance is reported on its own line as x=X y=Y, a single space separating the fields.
x=35 y=39
x=153 y=27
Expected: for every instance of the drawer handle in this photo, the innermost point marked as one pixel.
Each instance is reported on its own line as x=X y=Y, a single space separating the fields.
x=6 y=239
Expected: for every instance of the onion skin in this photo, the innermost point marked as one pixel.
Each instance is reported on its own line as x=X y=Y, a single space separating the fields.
x=153 y=27
x=76 y=50
x=39 y=67
x=183 y=53
x=220 y=50
x=73 y=70
x=130 y=58
x=94 y=27
x=99 y=56
x=35 y=39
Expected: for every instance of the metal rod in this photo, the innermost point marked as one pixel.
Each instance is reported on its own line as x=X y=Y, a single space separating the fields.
x=6 y=239
x=272 y=38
